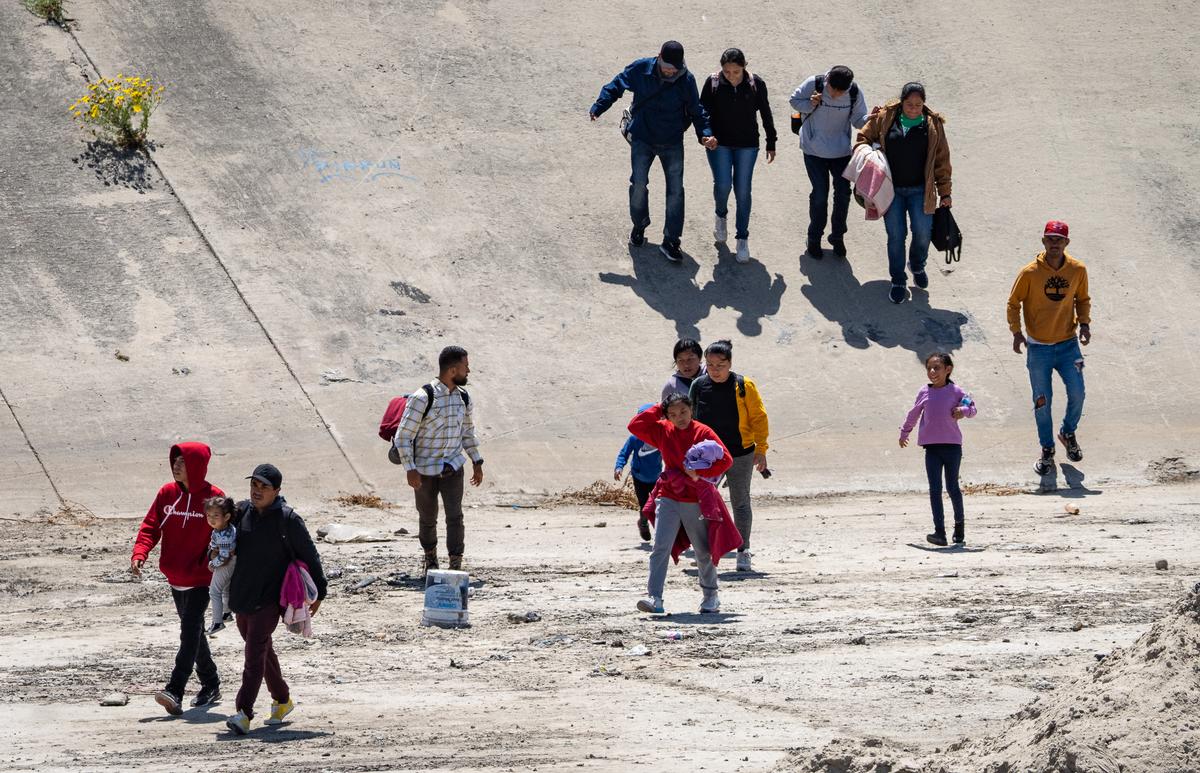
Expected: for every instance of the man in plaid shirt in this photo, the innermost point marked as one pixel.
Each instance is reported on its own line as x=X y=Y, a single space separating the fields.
x=434 y=442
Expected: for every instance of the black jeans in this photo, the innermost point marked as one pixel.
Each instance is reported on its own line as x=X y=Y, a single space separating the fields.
x=946 y=457
x=820 y=170
x=451 y=490
x=190 y=605
x=643 y=493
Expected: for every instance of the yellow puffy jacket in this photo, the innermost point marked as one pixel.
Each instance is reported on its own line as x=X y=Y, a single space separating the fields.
x=752 y=414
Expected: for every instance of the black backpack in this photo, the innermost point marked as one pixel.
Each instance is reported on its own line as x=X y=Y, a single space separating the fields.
x=946 y=236
x=798 y=117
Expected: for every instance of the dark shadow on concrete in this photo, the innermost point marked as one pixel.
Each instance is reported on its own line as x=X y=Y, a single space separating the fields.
x=747 y=288
x=868 y=317
x=116 y=166
x=698 y=618
x=948 y=549
x=668 y=288
x=1074 y=478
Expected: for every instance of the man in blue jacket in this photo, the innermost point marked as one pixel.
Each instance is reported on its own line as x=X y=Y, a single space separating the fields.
x=665 y=103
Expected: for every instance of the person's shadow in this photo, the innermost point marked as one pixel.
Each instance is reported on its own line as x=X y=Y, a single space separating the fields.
x=668 y=288
x=747 y=288
x=672 y=291
x=867 y=316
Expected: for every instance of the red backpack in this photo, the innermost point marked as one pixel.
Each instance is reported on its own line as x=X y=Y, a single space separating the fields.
x=395 y=411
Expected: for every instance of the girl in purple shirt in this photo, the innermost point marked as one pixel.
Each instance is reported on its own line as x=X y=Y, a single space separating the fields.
x=939 y=406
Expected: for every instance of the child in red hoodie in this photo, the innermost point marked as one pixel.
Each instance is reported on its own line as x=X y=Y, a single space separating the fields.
x=177 y=519
x=670 y=428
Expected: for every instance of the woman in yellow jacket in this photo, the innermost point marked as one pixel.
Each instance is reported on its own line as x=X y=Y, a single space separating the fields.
x=732 y=406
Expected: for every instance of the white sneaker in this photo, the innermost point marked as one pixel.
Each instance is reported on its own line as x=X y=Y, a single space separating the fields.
x=711 y=603
x=743 y=251
x=743 y=561
x=651 y=605
x=720 y=232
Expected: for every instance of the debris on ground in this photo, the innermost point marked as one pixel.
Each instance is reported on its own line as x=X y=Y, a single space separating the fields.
x=601 y=492
x=114 y=699
x=337 y=533
x=363 y=500
x=524 y=617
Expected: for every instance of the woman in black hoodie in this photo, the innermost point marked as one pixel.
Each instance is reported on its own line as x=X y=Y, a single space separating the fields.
x=733 y=99
x=270 y=535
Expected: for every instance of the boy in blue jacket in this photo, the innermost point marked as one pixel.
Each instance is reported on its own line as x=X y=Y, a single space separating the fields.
x=647 y=464
x=665 y=103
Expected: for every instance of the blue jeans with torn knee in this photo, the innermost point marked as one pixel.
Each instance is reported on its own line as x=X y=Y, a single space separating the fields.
x=642 y=155
x=1043 y=360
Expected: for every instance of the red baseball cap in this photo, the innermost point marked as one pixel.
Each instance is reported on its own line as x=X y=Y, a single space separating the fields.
x=1056 y=228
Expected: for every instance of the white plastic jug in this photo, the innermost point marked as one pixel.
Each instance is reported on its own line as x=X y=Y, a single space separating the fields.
x=446 y=599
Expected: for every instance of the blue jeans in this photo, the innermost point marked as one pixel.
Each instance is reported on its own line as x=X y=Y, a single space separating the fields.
x=1042 y=360
x=947 y=458
x=909 y=205
x=733 y=168
x=671 y=158
x=820 y=170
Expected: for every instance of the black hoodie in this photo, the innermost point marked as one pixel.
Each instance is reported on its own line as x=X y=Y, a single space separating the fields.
x=263 y=555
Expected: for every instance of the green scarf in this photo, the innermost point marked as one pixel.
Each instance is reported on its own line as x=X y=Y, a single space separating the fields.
x=909 y=123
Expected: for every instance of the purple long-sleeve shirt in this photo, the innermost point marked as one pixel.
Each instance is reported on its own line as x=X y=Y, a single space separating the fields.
x=933 y=406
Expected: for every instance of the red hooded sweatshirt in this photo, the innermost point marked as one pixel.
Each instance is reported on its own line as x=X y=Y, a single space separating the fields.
x=177 y=518
x=649 y=426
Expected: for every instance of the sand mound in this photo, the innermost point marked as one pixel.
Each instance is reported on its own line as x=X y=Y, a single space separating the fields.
x=1137 y=710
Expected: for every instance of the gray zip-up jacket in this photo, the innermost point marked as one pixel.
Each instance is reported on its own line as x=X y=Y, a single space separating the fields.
x=826 y=129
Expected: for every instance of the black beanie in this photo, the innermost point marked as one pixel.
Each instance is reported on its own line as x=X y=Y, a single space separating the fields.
x=672 y=54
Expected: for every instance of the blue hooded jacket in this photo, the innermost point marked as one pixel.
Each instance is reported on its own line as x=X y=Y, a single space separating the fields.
x=647 y=460
x=659 y=117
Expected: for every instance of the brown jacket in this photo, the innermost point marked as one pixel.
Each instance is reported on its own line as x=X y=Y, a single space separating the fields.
x=937 y=164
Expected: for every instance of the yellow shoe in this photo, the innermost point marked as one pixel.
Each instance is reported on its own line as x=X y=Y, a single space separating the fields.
x=239 y=723
x=279 y=711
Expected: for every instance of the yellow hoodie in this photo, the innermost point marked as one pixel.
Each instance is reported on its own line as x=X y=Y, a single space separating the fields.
x=1053 y=301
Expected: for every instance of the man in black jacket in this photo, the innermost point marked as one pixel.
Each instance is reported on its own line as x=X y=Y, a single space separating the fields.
x=270 y=536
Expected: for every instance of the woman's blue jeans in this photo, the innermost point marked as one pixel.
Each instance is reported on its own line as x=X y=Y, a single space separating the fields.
x=908 y=206
x=1043 y=360
x=733 y=169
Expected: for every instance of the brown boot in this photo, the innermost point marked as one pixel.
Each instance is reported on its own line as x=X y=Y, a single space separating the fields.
x=431 y=561
x=456 y=563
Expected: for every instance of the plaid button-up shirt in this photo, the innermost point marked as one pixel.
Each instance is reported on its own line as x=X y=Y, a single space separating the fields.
x=445 y=436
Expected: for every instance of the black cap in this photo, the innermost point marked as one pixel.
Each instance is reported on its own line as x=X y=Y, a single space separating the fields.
x=672 y=54
x=268 y=474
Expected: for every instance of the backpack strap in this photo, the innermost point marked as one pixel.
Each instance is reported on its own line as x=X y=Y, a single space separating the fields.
x=819 y=84
x=741 y=382
x=429 y=402
x=466 y=398
x=284 y=517
x=715 y=81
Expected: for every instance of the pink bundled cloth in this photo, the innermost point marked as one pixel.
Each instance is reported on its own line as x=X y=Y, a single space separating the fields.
x=869 y=173
x=295 y=595
x=723 y=534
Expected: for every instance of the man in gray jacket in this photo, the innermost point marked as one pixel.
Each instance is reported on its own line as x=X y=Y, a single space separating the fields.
x=830 y=106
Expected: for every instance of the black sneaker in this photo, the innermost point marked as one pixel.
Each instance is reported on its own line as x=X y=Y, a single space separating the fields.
x=207 y=696
x=814 y=250
x=671 y=252
x=637 y=237
x=921 y=279
x=214 y=628
x=1045 y=465
x=959 y=539
x=227 y=617
x=169 y=701
x=937 y=538
x=839 y=246
x=1074 y=452
x=898 y=294
x=644 y=529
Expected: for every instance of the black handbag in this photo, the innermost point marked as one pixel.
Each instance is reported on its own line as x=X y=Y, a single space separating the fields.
x=946 y=236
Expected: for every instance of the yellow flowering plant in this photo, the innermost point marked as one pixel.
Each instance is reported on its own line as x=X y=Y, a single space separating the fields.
x=119 y=107
x=50 y=10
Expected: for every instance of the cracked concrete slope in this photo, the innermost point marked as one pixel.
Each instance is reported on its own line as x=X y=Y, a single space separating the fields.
x=381 y=180
x=121 y=334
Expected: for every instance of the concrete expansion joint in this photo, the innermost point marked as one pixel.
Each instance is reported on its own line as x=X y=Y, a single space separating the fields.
x=208 y=246
x=29 y=444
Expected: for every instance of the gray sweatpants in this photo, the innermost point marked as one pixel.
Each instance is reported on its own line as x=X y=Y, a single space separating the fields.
x=739 y=477
x=218 y=589
x=669 y=517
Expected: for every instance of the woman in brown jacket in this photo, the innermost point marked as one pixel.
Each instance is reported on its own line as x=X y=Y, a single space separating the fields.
x=913 y=138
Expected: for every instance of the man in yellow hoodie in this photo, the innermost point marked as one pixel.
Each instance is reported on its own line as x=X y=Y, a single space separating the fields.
x=1051 y=293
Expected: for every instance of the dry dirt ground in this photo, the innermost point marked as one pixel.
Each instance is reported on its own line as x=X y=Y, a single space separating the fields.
x=851 y=628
